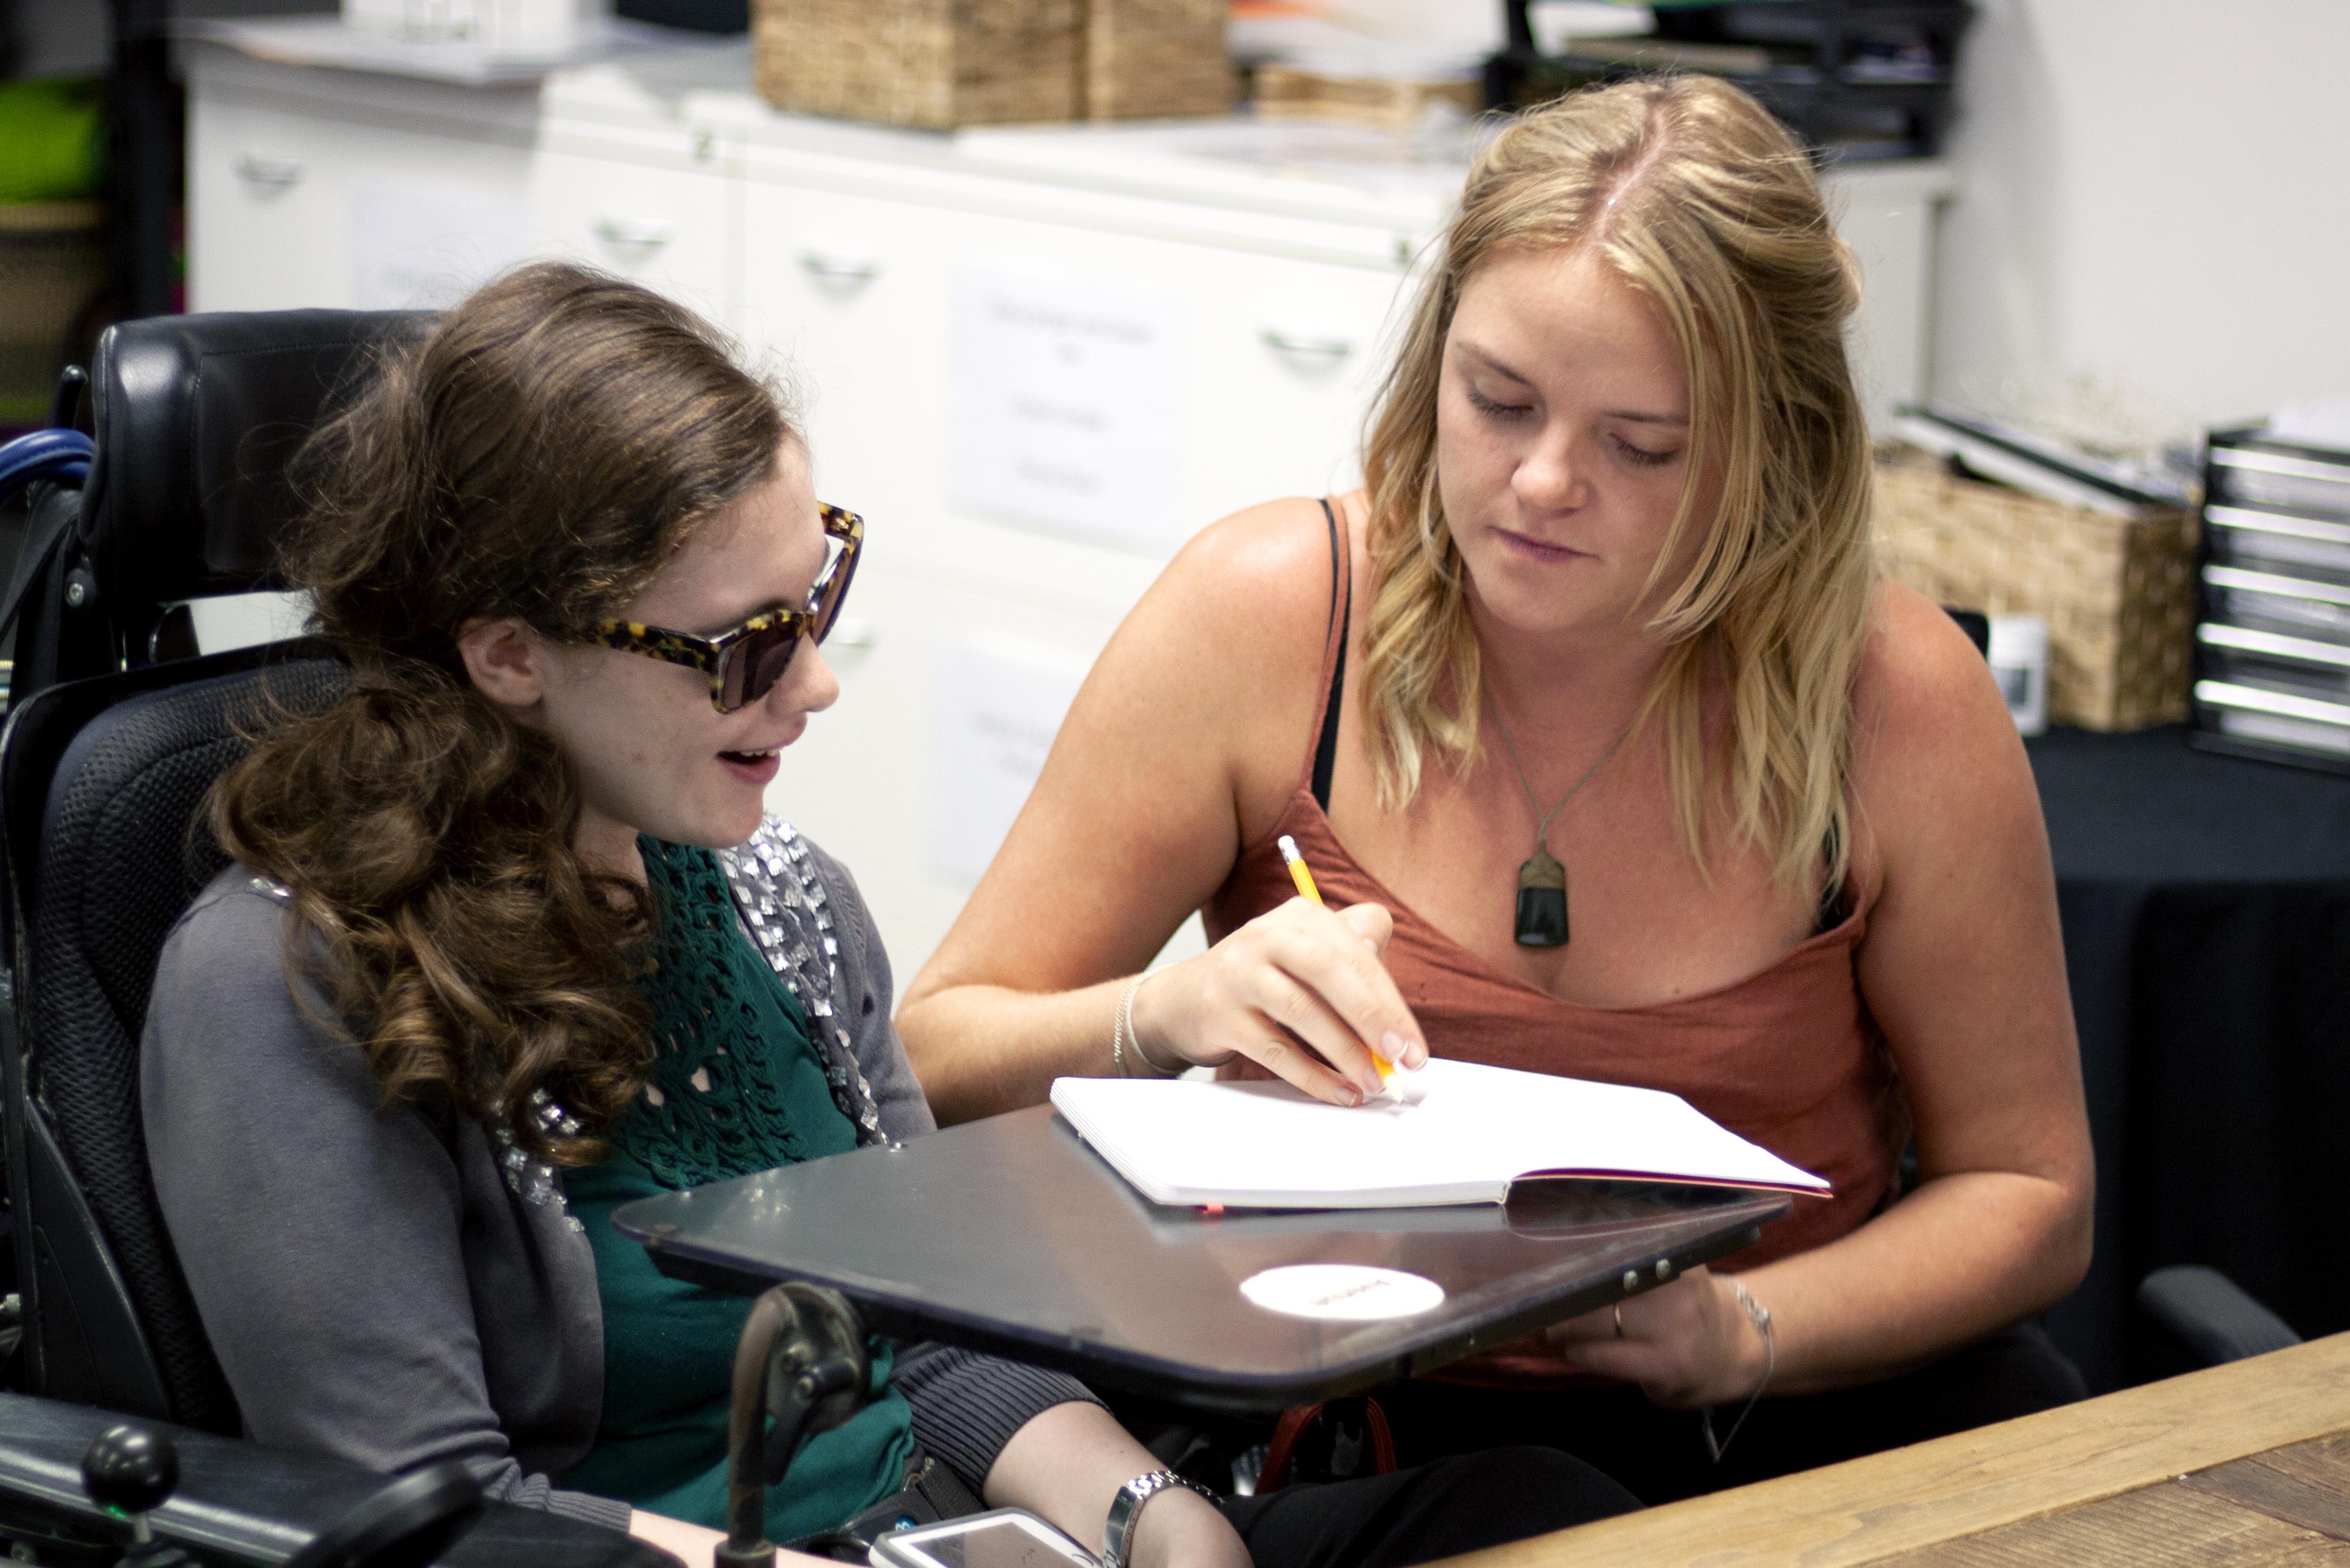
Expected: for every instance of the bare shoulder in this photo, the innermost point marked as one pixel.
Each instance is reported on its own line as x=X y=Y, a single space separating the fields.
x=1919 y=661
x=1264 y=570
x=1241 y=609
x=1932 y=741
x=1215 y=673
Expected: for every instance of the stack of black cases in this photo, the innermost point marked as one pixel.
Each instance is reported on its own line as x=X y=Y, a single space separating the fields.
x=2273 y=635
x=1854 y=79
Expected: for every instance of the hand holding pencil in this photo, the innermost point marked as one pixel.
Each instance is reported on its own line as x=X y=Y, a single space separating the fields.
x=1303 y=876
x=1298 y=993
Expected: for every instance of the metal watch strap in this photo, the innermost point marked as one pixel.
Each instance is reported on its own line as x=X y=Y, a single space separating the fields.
x=1127 y=1506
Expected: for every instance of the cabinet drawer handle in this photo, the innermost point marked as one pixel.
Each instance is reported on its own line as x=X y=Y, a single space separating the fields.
x=632 y=234
x=256 y=170
x=1332 y=348
x=838 y=269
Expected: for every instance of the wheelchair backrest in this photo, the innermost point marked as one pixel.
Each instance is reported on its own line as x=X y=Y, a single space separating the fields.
x=101 y=786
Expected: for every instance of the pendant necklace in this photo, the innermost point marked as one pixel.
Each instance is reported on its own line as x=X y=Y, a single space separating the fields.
x=1541 y=880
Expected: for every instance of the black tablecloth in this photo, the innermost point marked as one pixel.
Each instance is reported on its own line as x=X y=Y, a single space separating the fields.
x=2207 y=931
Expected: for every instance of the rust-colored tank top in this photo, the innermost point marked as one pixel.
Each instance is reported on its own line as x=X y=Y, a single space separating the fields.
x=1789 y=1056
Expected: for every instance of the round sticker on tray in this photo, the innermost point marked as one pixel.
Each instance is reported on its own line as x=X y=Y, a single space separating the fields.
x=1342 y=1293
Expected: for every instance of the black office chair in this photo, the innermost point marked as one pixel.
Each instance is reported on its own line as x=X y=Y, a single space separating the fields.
x=109 y=747
x=2208 y=1317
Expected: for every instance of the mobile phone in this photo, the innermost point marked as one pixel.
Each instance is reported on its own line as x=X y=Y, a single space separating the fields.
x=999 y=1538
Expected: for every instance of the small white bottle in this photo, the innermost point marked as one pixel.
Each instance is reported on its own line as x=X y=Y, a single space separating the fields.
x=2019 y=661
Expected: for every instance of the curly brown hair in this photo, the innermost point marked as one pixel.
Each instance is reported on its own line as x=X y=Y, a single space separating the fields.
x=540 y=451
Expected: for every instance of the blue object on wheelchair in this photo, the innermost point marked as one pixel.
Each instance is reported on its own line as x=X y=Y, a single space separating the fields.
x=61 y=457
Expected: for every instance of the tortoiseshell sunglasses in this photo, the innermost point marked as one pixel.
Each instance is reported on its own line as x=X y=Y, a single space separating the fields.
x=744 y=663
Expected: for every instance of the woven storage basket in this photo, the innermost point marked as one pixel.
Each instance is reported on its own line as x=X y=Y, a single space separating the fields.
x=948 y=63
x=936 y=63
x=1285 y=92
x=2117 y=592
x=1148 y=59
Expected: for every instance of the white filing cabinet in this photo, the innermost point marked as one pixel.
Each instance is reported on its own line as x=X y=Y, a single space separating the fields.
x=649 y=204
x=310 y=187
x=1264 y=264
x=855 y=258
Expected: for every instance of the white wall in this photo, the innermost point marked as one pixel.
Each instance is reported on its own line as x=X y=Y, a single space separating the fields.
x=2152 y=209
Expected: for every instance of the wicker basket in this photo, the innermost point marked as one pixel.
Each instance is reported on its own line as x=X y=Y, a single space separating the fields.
x=948 y=63
x=1285 y=92
x=1150 y=59
x=2117 y=592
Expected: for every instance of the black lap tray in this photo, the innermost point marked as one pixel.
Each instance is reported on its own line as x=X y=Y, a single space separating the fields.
x=1011 y=1235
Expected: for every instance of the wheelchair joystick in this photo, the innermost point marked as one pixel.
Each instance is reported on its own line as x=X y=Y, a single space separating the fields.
x=800 y=1368
x=129 y=1471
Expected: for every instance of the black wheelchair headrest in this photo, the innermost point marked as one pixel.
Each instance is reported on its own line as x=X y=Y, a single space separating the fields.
x=196 y=417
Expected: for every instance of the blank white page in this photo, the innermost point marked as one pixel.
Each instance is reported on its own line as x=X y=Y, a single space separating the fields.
x=1471 y=1131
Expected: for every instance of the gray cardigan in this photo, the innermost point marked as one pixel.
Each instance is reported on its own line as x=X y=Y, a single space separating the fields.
x=376 y=1291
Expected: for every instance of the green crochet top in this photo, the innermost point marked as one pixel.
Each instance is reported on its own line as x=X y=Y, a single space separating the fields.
x=736 y=1088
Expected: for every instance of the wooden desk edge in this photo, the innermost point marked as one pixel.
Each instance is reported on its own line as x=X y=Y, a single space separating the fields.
x=1869 y=1509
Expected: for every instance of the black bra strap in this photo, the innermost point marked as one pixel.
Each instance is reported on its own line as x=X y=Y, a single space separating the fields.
x=1836 y=906
x=1325 y=752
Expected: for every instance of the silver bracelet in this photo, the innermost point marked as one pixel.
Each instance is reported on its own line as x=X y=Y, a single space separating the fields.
x=1119 y=1026
x=1122 y=1036
x=1759 y=1316
x=1127 y=1506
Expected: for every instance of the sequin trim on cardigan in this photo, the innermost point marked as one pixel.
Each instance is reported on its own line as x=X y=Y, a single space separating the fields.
x=785 y=908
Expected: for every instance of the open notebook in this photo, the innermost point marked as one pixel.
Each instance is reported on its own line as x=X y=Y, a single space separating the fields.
x=1464 y=1134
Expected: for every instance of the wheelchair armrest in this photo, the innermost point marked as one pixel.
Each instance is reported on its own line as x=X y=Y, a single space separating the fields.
x=244 y=1502
x=2211 y=1314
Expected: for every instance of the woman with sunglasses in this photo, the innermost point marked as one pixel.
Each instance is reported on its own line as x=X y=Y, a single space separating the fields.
x=1617 y=760
x=508 y=941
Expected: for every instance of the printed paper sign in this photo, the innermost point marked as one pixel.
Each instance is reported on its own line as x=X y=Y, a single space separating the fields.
x=998 y=708
x=1062 y=411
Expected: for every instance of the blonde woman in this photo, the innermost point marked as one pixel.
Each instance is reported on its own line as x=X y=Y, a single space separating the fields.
x=1591 y=710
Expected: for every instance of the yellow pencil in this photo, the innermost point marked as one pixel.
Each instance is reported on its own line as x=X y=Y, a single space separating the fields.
x=1298 y=870
x=1304 y=878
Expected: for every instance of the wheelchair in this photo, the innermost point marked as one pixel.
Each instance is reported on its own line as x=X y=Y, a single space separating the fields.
x=118 y=723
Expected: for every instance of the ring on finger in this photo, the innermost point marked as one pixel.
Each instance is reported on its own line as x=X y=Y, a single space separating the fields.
x=1619 y=1320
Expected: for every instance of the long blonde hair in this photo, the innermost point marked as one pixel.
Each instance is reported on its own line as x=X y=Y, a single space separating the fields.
x=1696 y=196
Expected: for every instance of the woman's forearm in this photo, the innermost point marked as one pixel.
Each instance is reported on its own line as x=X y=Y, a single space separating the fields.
x=982 y=1049
x=1301 y=990
x=1068 y=1465
x=1962 y=1257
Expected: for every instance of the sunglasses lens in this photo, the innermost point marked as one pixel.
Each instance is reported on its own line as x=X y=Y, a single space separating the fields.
x=756 y=663
x=733 y=674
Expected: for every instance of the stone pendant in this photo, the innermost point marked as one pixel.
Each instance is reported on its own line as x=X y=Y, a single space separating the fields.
x=1542 y=902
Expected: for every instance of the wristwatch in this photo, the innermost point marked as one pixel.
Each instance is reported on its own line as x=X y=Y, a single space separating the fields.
x=1127 y=1505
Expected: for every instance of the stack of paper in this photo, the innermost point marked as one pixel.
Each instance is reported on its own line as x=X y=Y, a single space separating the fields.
x=1467 y=1134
